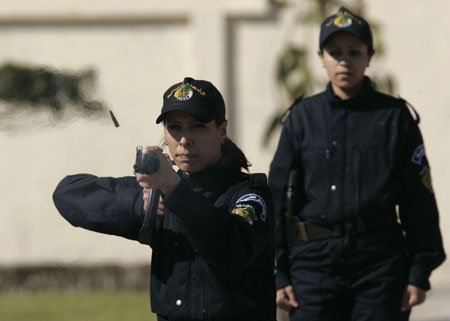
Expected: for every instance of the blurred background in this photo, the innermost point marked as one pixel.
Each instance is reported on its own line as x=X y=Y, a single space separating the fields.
x=65 y=65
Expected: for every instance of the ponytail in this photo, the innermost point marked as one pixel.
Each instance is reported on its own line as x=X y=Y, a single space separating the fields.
x=228 y=147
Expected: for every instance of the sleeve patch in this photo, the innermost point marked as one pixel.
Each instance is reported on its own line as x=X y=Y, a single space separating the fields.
x=426 y=179
x=256 y=203
x=246 y=213
x=418 y=155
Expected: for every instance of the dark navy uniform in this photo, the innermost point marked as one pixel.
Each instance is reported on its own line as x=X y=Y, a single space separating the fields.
x=213 y=254
x=340 y=245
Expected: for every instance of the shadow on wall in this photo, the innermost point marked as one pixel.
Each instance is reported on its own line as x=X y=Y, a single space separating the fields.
x=82 y=277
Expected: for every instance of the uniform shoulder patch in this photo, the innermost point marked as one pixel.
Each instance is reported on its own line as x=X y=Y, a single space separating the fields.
x=418 y=155
x=426 y=179
x=251 y=207
x=247 y=213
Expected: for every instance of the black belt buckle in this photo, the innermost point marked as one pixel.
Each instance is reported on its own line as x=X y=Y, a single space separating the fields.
x=345 y=227
x=303 y=232
x=353 y=226
x=348 y=226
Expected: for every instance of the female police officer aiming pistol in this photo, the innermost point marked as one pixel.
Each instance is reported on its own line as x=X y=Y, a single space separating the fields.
x=213 y=241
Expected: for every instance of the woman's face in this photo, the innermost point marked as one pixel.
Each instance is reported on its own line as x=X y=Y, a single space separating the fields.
x=193 y=145
x=345 y=58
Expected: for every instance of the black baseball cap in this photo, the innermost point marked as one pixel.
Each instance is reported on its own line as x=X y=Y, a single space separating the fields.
x=345 y=20
x=198 y=98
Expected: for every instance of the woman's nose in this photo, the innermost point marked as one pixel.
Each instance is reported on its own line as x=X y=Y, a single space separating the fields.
x=185 y=141
x=344 y=59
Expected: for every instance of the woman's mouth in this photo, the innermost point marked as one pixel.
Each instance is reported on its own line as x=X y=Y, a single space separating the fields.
x=344 y=74
x=185 y=156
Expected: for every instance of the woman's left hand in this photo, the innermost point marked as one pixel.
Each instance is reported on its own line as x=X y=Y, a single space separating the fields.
x=165 y=179
x=413 y=296
x=161 y=210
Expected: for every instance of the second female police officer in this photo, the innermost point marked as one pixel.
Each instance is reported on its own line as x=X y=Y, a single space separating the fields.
x=348 y=158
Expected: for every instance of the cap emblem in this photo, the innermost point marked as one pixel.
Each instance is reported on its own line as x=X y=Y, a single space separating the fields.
x=343 y=19
x=184 y=92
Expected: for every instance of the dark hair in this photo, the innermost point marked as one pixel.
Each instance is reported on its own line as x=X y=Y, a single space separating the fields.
x=229 y=147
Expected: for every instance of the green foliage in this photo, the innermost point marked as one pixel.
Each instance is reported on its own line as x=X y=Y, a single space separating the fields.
x=319 y=11
x=43 y=87
x=294 y=78
x=76 y=306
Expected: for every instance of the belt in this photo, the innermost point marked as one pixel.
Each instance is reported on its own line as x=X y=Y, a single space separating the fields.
x=302 y=231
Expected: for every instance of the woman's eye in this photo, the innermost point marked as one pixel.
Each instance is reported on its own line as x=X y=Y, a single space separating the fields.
x=335 y=53
x=173 y=126
x=198 y=125
x=354 y=53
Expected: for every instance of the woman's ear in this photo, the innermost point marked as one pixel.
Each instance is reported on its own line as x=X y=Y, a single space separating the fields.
x=371 y=53
x=320 y=54
x=223 y=130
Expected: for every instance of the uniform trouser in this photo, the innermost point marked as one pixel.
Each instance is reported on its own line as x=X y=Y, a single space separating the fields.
x=358 y=277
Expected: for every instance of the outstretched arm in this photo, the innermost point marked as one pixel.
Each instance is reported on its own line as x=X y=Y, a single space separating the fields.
x=101 y=204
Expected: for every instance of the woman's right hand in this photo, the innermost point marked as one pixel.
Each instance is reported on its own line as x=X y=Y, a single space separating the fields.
x=164 y=179
x=286 y=298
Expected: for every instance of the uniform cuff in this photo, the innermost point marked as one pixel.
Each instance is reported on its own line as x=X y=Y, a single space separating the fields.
x=282 y=279
x=418 y=276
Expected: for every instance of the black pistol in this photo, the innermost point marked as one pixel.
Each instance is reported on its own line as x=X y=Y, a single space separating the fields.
x=147 y=162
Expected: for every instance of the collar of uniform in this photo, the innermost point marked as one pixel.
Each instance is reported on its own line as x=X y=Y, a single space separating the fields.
x=218 y=176
x=356 y=101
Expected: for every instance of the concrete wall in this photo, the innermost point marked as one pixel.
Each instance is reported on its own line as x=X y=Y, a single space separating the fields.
x=139 y=48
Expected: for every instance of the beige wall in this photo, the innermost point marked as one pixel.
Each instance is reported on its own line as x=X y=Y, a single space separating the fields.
x=139 y=48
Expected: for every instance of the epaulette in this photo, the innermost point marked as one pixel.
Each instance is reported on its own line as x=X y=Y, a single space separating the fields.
x=258 y=179
x=285 y=114
x=411 y=109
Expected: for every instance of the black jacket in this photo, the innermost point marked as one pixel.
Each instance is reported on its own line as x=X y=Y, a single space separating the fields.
x=357 y=157
x=213 y=254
